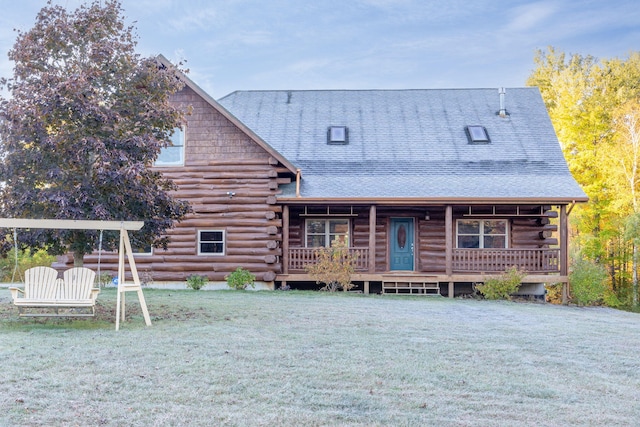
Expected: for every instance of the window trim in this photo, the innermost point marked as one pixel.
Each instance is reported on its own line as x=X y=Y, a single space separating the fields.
x=183 y=131
x=481 y=233
x=223 y=241
x=327 y=231
x=143 y=254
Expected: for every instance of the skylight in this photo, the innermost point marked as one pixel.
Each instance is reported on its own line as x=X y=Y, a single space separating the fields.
x=337 y=135
x=477 y=134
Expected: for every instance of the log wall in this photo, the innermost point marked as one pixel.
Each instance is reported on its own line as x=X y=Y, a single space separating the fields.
x=219 y=159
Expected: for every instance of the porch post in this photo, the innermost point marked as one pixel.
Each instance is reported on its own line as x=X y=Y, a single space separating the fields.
x=564 y=252
x=285 y=239
x=372 y=239
x=448 y=245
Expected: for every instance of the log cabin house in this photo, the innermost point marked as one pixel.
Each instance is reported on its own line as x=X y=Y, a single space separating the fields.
x=433 y=189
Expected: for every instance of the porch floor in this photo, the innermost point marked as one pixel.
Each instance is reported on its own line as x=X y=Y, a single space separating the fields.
x=430 y=280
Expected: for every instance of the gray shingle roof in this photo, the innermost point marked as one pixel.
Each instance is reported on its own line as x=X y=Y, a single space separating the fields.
x=411 y=143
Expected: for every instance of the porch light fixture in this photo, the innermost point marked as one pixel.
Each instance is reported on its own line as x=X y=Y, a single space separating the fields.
x=231 y=194
x=427 y=217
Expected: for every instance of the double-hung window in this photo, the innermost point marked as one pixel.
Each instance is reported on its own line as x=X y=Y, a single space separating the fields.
x=482 y=233
x=173 y=155
x=322 y=232
x=211 y=242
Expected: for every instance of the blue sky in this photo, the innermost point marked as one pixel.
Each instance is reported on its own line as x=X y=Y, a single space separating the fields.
x=360 y=44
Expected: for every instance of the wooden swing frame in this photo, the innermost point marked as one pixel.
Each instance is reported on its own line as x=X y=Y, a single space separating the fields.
x=124 y=249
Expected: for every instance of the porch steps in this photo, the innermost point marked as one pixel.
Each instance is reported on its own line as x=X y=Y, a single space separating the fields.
x=408 y=285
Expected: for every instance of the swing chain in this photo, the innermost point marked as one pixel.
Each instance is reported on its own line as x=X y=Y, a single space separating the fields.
x=99 y=256
x=15 y=250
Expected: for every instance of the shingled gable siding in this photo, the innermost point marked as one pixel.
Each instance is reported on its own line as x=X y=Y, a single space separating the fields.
x=219 y=159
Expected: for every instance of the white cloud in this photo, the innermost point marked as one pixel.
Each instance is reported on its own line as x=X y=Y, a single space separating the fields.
x=195 y=20
x=530 y=16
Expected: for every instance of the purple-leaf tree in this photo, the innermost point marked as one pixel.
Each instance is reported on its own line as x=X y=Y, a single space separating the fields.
x=83 y=123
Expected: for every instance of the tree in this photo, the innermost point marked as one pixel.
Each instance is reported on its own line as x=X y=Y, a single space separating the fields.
x=86 y=119
x=594 y=108
x=627 y=139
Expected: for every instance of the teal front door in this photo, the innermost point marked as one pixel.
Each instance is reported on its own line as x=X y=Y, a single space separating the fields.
x=401 y=244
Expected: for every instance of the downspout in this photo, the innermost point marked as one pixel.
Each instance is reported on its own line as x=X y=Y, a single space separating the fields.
x=298 y=175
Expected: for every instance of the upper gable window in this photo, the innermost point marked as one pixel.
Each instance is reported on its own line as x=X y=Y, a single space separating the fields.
x=173 y=155
x=337 y=135
x=477 y=134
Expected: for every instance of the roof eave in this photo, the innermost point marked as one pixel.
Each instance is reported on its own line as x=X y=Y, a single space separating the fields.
x=427 y=201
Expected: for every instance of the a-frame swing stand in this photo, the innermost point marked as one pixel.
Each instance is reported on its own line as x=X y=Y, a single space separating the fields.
x=125 y=248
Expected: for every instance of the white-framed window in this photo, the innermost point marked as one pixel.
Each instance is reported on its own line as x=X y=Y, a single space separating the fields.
x=211 y=242
x=140 y=249
x=173 y=155
x=146 y=250
x=321 y=231
x=482 y=233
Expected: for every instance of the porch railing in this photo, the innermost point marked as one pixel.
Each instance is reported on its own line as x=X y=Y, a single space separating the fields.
x=300 y=257
x=494 y=260
x=464 y=260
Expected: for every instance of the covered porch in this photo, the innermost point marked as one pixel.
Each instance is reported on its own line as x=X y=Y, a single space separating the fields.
x=534 y=238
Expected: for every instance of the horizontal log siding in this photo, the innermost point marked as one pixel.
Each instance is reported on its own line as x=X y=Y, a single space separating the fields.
x=219 y=158
x=431 y=244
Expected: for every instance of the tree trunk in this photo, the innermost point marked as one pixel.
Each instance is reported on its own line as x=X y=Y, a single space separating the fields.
x=634 y=276
x=78 y=259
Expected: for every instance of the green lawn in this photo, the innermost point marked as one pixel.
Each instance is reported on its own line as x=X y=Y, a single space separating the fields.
x=314 y=359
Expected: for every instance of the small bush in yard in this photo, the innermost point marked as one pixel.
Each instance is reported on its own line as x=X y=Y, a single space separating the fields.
x=240 y=279
x=503 y=286
x=104 y=279
x=334 y=267
x=196 y=282
x=554 y=293
x=587 y=282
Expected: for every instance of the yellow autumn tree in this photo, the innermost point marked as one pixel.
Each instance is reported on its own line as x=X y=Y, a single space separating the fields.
x=592 y=106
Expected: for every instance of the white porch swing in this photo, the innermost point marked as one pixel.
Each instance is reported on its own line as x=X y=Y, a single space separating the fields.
x=125 y=248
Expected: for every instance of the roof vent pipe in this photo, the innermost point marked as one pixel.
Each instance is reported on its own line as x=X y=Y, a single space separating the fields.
x=503 y=111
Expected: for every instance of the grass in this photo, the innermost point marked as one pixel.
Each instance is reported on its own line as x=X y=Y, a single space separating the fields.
x=306 y=358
